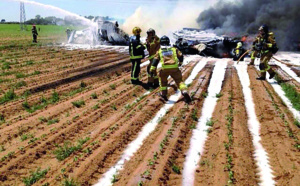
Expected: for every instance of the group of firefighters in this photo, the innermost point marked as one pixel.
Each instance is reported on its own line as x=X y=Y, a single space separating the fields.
x=170 y=58
x=160 y=51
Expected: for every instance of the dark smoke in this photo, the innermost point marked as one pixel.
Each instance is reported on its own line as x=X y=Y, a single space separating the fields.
x=245 y=17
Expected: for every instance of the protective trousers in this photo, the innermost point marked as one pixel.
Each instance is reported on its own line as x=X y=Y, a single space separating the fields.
x=154 y=77
x=175 y=74
x=264 y=66
x=34 y=38
x=253 y=56
x=135 y=69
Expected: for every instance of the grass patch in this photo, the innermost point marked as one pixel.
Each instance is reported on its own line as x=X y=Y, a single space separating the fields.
x=6 y=66
x=69 y=182
x=67 y=149
x=94 y=96
x=2 y=119
x=194 y=115
x=290 y=92
x=113 y=86
x=296 y=122
x=79 y=103
x=35 y=176
x=52 y=121
x=2 y=148
x=20 y=75
x=30 y=62
x=176 y=169
x=219 y=95
x=210 y=123
x=8 y=96
x=20 y=84
x=9 y=155
x=82 y=84
x=95 y=107
x=43 y=103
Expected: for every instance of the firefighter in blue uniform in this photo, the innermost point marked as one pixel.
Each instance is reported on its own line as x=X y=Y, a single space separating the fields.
x=136 y=51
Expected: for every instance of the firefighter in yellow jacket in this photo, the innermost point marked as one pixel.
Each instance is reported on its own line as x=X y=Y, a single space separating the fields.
x=264 y=47
x=153 y=45
x=238 y=52
x=171 y=59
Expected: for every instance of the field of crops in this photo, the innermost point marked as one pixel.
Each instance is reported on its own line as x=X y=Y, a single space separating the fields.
x=72 y=117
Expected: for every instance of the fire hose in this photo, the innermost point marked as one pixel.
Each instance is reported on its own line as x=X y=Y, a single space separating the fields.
x=243 y=55
x=250 y=51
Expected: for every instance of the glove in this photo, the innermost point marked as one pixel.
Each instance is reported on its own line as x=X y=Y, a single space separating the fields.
x=265 y=46
x=258 y=46
x=152 y=70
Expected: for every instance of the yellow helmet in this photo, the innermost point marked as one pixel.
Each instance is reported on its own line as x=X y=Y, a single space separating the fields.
x=136 y=30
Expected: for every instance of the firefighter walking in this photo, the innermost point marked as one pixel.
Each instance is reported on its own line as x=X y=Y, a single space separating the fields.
x=171 y=59
x=153 y=45
x=264 y=47
x=34 y=34
x=136 y=51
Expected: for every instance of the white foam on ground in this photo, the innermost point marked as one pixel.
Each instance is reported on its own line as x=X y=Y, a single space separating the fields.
x=292 y=57
x=288 y=70
x=281 y=93
x=200 y=133
x=260 y=155
x=146 y=130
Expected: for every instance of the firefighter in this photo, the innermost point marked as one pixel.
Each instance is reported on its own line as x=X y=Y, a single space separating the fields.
x=264 y=47
x=136 y=51
x=238 y=52
x=34 y=34
x=171 y=59
x=153 y=45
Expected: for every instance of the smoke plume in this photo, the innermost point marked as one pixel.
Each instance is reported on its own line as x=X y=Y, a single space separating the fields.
x=165 y=18
x=245 y=17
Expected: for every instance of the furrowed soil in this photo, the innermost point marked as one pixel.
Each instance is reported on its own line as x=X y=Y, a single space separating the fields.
x=278 y=132
x=213 y=168
x=74 y=112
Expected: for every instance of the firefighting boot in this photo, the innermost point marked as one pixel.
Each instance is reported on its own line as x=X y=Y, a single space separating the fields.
x=150 y=85
x=156 y=83
x=186 y=96
x=164 y=97
x=272 y=75
x=261 y=78
x=251 y=62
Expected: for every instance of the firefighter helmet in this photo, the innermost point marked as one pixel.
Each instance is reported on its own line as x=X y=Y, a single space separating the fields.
x=164 y=41
x=136 y=30
x=265 y=28
x=151 y=31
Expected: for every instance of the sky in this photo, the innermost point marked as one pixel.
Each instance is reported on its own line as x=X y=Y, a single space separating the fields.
x=122 y=9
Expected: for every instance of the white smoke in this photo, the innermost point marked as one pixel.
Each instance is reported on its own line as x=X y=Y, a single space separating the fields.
x=164 y=20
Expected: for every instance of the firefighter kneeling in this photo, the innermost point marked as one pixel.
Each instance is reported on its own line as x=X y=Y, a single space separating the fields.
x=170 y=59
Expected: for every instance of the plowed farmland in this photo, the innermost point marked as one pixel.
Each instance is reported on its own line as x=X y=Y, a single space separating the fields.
x=73 y=117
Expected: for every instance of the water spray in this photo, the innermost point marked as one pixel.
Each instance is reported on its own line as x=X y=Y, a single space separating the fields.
x=65 y=12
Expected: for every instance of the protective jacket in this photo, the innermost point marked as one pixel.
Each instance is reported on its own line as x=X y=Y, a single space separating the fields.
x=265 y=44
x=170 y=58
x=136 y=48
x=153 y=45
x=34 y=32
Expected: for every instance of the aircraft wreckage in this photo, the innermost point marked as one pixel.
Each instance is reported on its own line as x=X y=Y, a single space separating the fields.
x=196 y=41
x=105 y=33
